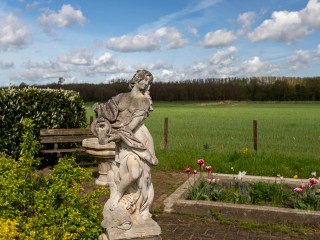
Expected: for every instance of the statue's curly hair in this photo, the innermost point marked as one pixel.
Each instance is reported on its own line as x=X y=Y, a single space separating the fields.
x=138 y=76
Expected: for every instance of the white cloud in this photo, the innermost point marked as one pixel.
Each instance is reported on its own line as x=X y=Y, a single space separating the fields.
x=218 y=38
x=6 y=64
x=171 y=75
x=199 y=67
x=40 y=72
x=246 y=19
x=157 y=65
x=170 y=37
x=310 y=14
x=253 y=65
x=13 y=33
x=283 y=27
x=225 y=63
x=77 y=57
x=106 y=63
x=106 y=58
x=224 y=57
x=66 y=17
x=299 y=60
x=135 y=43
x=287 y=26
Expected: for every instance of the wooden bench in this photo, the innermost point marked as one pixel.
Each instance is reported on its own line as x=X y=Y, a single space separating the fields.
x=58 y=136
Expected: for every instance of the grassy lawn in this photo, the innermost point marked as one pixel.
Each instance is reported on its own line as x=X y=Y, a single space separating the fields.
x=288 y=136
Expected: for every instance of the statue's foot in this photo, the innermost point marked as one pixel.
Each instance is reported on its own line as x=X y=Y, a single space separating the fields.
x=114 y=202
x=103 y=237
x=146 y=216
x=138 y=218
x=125 y=226
x=113 y=205
x=101 y=183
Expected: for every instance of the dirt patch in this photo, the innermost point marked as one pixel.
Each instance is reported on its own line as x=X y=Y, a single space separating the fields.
x=165 y=183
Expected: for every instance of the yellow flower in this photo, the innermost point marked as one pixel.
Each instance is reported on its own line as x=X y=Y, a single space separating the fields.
x=245 y=150
x=9 y=229
x=295 y=176
x=81 y=229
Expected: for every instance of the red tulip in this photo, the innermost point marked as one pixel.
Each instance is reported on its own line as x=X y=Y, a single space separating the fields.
x=200 y=162
x=187 y=170
x=208 y=168
x=298 y=190
x=313 y=181
x=195 y=172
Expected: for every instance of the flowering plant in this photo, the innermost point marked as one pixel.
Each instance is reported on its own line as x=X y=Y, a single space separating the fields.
x=206 y=188
x=308 y=197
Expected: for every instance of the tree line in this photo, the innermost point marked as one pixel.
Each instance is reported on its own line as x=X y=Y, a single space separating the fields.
x=211 y=89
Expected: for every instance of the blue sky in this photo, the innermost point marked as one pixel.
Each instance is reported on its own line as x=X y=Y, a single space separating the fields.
x=96 y=41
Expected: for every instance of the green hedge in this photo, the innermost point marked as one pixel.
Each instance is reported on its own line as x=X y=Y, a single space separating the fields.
x=55 y=206
x=47 y=108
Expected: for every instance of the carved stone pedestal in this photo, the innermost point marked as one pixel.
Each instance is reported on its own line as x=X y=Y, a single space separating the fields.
x=149 y=231
x=103 y=154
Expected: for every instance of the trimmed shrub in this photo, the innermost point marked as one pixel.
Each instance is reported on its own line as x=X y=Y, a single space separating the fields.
x=56 y=206
x=47 y=108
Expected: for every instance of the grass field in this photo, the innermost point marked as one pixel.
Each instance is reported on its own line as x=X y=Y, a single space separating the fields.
x=288 y=136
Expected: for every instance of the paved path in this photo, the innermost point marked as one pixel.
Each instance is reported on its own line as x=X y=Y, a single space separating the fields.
x=182 y=227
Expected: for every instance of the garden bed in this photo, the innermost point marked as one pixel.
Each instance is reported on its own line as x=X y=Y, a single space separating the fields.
x=177 y=203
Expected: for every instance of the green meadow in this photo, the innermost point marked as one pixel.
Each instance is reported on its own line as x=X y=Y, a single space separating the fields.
x=220 y=133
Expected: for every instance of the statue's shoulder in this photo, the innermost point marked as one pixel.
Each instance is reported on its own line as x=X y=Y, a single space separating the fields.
x=121 y=96
x=142 y=103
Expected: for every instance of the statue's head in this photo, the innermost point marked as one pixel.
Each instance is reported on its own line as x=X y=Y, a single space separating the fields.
x=140 y=75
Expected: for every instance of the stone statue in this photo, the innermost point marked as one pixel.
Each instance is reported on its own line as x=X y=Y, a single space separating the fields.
x=121 y=120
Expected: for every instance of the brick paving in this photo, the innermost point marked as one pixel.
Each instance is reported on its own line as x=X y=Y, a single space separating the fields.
x=182 y=227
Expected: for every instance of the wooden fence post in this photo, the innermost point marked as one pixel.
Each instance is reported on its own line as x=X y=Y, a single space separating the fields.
x=255 y=135
x=165 y=146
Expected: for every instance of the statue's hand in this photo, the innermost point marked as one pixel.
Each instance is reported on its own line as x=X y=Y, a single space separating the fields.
x=113 y=137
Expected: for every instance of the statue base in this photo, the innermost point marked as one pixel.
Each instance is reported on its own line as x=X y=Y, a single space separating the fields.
x=148 y=231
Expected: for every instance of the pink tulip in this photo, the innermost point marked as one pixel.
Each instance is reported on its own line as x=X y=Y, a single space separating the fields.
x=208 y=168
x=313 y=181
x=195 y=172
x=187 y=170
x=302 y=186
x=200 y=162
x=298 y=190
x=209 y=180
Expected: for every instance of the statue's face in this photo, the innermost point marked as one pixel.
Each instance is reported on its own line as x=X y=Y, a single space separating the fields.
x=144 y=83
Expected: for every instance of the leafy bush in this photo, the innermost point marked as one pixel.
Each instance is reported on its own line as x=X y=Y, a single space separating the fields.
x=53 y=207
x=47 y=108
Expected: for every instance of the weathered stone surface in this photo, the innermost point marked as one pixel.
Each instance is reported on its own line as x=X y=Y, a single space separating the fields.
x=121 y=120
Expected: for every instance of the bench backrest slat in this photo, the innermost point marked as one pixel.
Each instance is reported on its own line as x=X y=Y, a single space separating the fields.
x=64 y=139
x=65 y=132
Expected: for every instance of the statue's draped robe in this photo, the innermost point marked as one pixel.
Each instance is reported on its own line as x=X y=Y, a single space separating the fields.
x=137 y=142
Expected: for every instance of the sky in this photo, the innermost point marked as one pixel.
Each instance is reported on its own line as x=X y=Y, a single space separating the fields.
x=97 y=41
